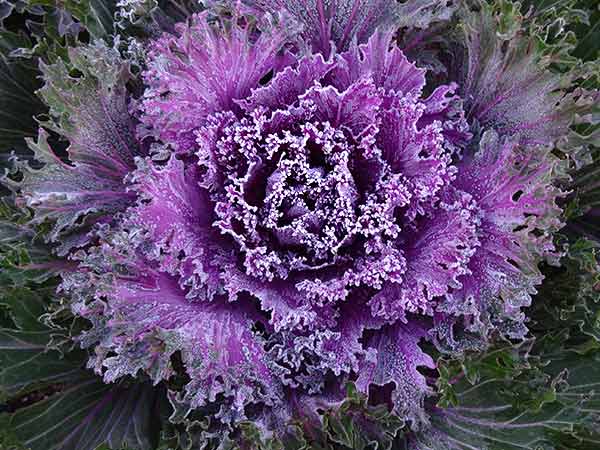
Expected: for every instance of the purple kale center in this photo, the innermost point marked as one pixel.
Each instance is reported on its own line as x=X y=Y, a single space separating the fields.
x=321 y=178
x=314 y=220
x=300 y=201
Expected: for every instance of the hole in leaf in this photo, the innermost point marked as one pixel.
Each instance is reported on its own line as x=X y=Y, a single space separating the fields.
x=513 y=263
x=517 y=195
x=382 y=395
x=267 y=78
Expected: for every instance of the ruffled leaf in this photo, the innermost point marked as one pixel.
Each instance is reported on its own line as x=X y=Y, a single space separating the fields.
x=437 y=257
x=177 y=214
x=101 y=152
x=286 y=305
x=204 y=69
x=287 y=86
x=354 y=108
x=382 y=61
x=515 y=190
x=394 y=357
x=326 y=23
x=142 y=317
x=68 y=195
x=507 y=87
x=100 y=132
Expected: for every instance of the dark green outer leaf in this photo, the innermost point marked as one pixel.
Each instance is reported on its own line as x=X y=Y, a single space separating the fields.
x=25 y=308
x=569 y=300
x=88 y=414
x=84 y=412
x=25 y=361
x=18 y=103
x=24 y=257
x=550 y=403
x=101 y=13
x=357 y=426
x=95 y=15
x=26 y=364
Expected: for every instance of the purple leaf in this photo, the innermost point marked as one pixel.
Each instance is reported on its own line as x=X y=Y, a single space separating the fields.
x=395 y=357
x=205 y=68
x=92 y=113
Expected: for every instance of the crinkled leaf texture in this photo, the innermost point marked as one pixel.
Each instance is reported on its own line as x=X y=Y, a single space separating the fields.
x=308 y=216
x=91 y=111
x=331 y=22
x=80 y=412
x=302 y=225
x=396 y=360
x=205 y=68
x=513 y=186
x=217 y=347
x=169 y=280
x=506 y=80
x=334 y=24
x=488 y=415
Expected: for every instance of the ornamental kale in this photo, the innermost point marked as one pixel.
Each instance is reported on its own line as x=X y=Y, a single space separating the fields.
x=316 y=214
x=263 y=204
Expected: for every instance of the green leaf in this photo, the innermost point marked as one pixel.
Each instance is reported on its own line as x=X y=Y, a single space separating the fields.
x=82 y=411
x=553 y=401
x=90 y=413
x=24 y=257
x=18 y=102
x=95 y=15
x=569 y=299
x=357 y=426
x=25 y=308
x=485 y=421
x=98 y=16
x=149 y=18
x=26 y=363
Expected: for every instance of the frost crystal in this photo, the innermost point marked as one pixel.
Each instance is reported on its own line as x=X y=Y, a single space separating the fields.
x=309 y=216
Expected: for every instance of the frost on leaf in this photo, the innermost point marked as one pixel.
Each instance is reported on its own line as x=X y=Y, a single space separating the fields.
x=177 y=214
x=394 y=357
x=513 y=187
x=506 y=87
x=141 y=318
x=332 y=24
x=91 y=112
x=317 y=213
x=204 y=68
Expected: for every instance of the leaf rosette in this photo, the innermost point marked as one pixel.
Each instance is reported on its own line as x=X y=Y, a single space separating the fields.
x=291 y=204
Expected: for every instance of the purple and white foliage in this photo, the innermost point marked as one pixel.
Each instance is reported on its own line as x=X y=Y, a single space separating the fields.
x=320 y=214
x=205 y=69
x=91 y=111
